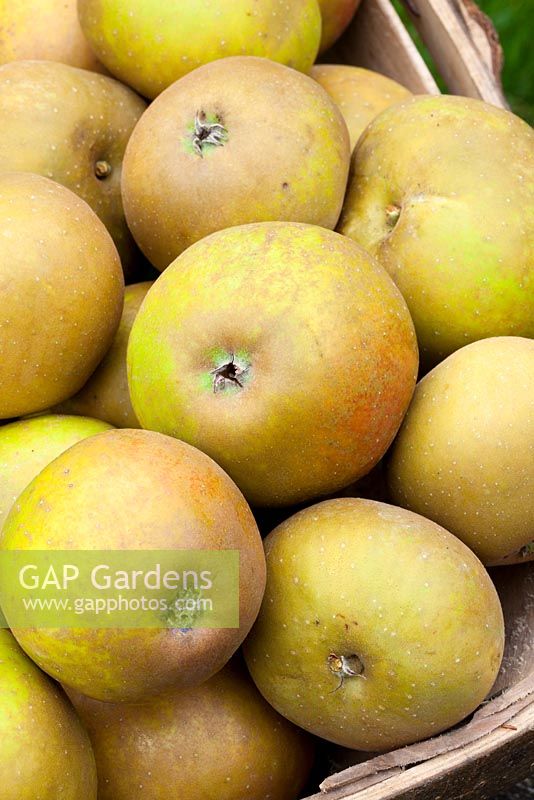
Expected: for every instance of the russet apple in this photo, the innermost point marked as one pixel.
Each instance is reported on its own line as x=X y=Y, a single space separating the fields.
x=45 y=751
x=464 y=456
x=378 y=627
x=44 y=30
x=336 y=16
x=217 y=740
x=106 y=395
x=136 y=490
x=149 y=44
x=360 y=94
x=28 y=445
x=283 y=351
x=237 y=141
x=61 y=293
x=72 y=126
x=442 y=193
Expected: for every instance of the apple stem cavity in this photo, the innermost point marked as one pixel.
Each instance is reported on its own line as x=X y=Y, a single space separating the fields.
x=102 y=170
x=207 y=133
x=392 y=215
x=345 y=667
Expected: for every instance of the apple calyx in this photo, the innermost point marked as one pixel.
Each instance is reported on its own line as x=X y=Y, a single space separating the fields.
x=207 y=132
x=229 y=372
x=345 y=667
x=392 y=214
x=102 y=170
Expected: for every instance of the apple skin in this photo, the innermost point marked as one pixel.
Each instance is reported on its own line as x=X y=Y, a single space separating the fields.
x=325 y=341
x=106 y=395
x=360 y=94
x=364 y=580
x=45 y=753
x=461 y=251
x=463 y=456
x=336 y=16
x=62 y=293
x=286 y=156
x=217 y=741
x=65 y=124
x=138 y=490
x=44 y=30
x=157 y=42
x=28 y=445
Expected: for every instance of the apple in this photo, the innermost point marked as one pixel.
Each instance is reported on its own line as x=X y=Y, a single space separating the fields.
x=136 y=490
x=106 y=395
x=283 y=351
x=28 y=445
x=45 y=753
x=336 y=16
x=72 y=126
x=61 y=293
x=442 y=194
x=151 y=43
x=44 y=29
x=237 y=141
x=464 y=454
x=360 y=94
x=378 y=627
x=218 y=740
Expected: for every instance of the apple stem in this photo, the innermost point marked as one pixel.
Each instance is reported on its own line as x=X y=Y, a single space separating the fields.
x=345 y=667
x=102 y=169
x=392 y=215
x=207 y=133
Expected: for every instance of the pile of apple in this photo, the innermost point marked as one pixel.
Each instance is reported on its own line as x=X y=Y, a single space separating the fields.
x=268 y=369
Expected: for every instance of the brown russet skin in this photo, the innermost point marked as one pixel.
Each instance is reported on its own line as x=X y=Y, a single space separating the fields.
x=217 y=741
x=321 y=340
x=360 y=94
x=45 y=752
x=106 y=395
x=61 y=290
x=136 y=490
x=72 y=126
x=464 y=456
x=44 y=30
x=283 y=154
x=336 y=15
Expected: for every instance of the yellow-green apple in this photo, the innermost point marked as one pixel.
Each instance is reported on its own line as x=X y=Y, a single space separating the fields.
x=106 y=395
x=237 y=141
x=61 y=293
x=218 y=740
x=336 y=16
x=464 y=454
x=378 y=627
x=360 y=94
x=442 y=192
x=136 y=490
x=72 y=126
x=149 y=44
x=44 y=29
x=28 y=445
x=45 y=753
x=283 y=351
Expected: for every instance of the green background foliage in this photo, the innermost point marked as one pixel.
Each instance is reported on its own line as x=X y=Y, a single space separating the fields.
x=514 y=21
